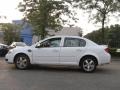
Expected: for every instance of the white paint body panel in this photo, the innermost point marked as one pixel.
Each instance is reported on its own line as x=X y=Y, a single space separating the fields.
x=46 y=55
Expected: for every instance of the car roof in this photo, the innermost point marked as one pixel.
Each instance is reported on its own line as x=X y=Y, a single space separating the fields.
x=63 y=36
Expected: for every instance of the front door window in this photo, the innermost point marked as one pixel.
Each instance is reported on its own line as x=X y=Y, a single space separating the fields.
x=54 y=42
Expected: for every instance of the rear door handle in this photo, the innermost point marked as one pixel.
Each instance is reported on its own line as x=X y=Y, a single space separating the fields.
x=55 y=51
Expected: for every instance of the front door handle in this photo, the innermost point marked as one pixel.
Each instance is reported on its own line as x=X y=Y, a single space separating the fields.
x=78 y=50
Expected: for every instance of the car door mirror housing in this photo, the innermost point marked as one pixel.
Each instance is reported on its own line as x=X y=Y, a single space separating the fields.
x=37 y=46
x=43 y=45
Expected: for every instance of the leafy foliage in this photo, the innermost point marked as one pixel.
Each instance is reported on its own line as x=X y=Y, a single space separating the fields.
x=112 y=36
x=113 y=52
x=96 y=36
x=99 y=10
x=11 y=32
x=46 y=14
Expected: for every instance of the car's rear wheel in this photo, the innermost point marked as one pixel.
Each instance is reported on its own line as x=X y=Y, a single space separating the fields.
x=22 y=62
x=88 y=64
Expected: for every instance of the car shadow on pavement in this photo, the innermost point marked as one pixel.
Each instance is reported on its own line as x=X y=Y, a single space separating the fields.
x=54 y=68
x=34 y=68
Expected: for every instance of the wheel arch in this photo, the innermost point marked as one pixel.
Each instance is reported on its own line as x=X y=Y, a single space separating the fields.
x=95 y=58
x=21 y=54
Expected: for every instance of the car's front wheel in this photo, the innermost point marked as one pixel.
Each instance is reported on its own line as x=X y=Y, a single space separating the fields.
x=88 y=64
x=22 y=62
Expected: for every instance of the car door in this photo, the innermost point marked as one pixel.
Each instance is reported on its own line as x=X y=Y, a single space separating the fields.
x=71 y=50
x=47 y=52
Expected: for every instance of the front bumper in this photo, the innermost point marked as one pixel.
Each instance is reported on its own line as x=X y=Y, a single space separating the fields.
x=9 y=58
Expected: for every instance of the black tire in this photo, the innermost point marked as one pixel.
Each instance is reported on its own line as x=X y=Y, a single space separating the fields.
x=88 y=64
x=22 y=62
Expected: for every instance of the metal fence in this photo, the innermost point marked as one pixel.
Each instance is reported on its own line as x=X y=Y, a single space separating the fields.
x=114 y=44
x=111 y=44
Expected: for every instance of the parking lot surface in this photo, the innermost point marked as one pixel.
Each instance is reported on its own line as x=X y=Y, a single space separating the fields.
x=106 y=77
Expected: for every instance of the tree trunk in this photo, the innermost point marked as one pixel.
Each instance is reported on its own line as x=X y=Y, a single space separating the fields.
x=43 y=32
x=103 y=29
x=103 y=37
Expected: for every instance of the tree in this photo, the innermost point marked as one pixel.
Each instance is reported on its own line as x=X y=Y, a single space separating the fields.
x=100 y=10
x=45 y=14
x=112 y=36
x=96 y=36
x=11 y=32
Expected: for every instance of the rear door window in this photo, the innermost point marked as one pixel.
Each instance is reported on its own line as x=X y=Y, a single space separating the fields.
x=74 y=42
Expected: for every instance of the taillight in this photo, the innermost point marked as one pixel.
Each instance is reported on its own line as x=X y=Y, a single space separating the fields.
x=107 y=50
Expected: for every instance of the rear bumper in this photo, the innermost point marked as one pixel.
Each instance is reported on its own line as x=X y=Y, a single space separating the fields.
x=106 y=59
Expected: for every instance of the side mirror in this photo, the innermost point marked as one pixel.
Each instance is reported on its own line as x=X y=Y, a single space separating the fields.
x=43 y=45
x=37 y=46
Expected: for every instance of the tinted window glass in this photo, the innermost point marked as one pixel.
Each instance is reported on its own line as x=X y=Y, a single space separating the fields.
x=74 y=42
x=54 y=42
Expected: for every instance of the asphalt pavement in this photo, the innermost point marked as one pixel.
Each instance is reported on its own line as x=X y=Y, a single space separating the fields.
x=106 y=77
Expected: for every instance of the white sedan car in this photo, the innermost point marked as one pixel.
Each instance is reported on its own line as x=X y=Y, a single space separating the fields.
x=61 y=50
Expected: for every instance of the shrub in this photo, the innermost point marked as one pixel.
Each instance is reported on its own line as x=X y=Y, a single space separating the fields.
x=113 y=52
